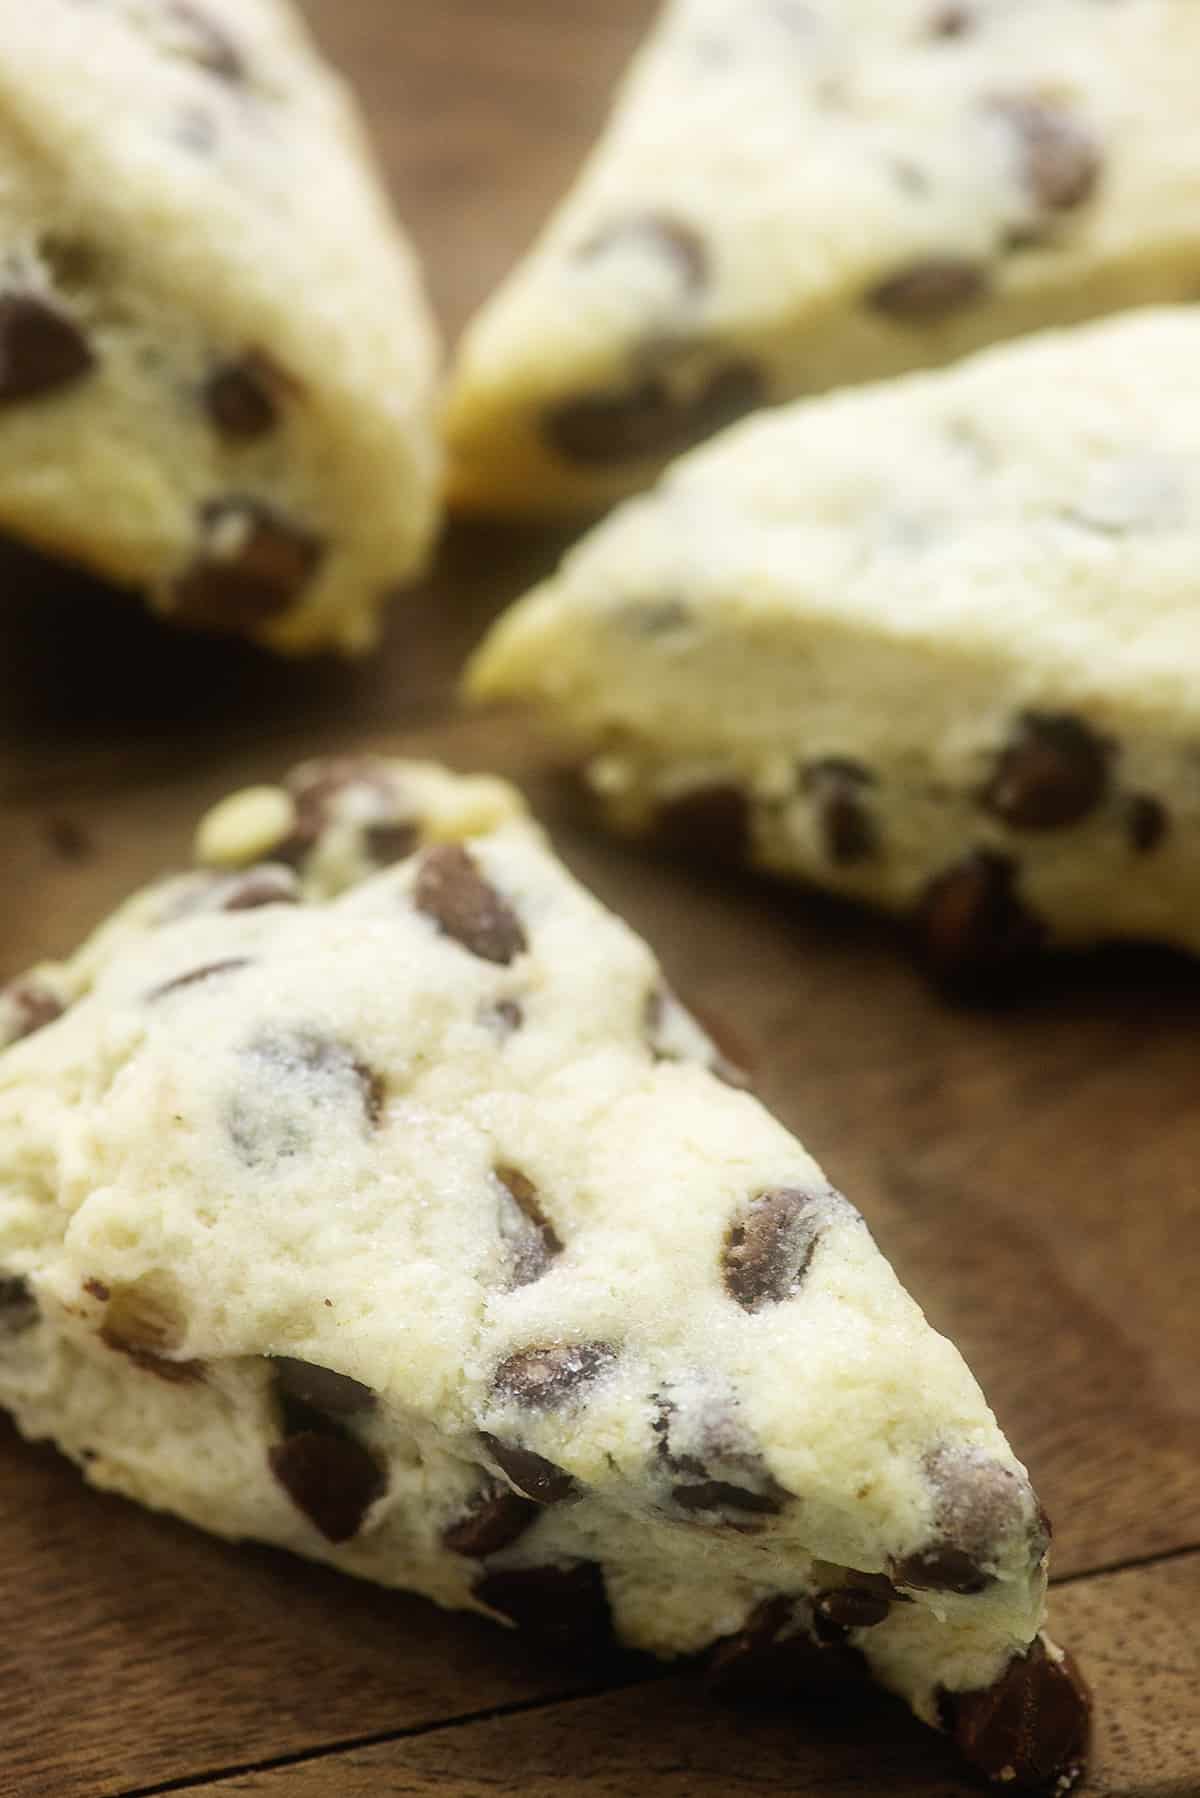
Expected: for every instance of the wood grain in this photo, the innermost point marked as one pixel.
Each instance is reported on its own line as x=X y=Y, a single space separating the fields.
x=1032 y=1172
x=666 y=1738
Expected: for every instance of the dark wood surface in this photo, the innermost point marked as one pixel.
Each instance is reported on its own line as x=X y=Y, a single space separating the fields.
x=1034 y=1173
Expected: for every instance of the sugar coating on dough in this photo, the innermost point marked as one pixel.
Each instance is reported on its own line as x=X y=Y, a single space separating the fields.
x=930 y=643
x=216 y=361
x=793 y=195
x=379 y=1200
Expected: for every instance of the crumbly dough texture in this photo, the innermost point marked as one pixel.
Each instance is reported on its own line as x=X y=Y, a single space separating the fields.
x=377 y=1199
x=930 y=643
x=216 y=363
x=793 y=195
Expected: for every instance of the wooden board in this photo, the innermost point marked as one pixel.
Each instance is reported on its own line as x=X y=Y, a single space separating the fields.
x=1033 y=1173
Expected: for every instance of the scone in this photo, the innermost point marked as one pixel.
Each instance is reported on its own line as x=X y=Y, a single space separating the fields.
x=931 y=643
x=369 y=1193
x=216 y=363
x=793 y=195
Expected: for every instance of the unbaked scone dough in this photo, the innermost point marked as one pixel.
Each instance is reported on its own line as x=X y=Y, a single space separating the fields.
x=369 y=1193
x=793 y=195
x=931 y=643
x=216 y=362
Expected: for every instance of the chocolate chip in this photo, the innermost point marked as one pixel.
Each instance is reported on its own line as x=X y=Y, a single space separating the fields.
x=951 y=21
x=970 y=922
x=650 y=420
x=30 y=1006
x=332 y=1479
x=144 y=1328
x=852 y=1607
x=1030 y=1729
x=495 y=1518
x=175 y=1373
x=1052 y=773
x=360 y=788
x=336 y=1394
x=774 y=1654
x=243 y=398
x=504 y=1017
x=545 y=1376
x=252 y=567
x=195 y=976
x=536 y=1477
x=926 y=292
x=566 y=1603
x=679 y=244
x=720 y=1495
x=267 y=884
x=676 y=1033
x=386 y=844
x=1060 y=157
x=96 y=1289
x=18 y=1307
x=708 y=823
x=1147 y=822
x=837 y=788
x=209 y=44
x=656 y=618
x=292 y=1072
x=769 y=1246
x=980 y=1506
x=452 y=891
x=532 y=1240
x=42 y=348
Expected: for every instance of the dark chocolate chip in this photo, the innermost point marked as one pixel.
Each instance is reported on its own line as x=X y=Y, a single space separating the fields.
x=1147 y=822
x=243 y=398
x=195 y=976
x=139 y=1326
x=971 y=923
x=1052 y=773
x=386 y=844
x=210 y=44
x=650 y=420
x=536 y=1477
x=33 y=1005
x=18 y=1307
x=1060 y=156
x=720 y=1495
x=709 y=823
x=504 y=1017
x=774 y=1654
x=852 y=1607
x=979 y=1507
x=96 y=1289
x=262 y=1125
x=534 y=1242
x=769 y=1246
x=926 y=292
x=495 y=1518
x=332 y=1479
x=452 y=891
x=252 y=566
x=42 y=348
x=547 y=1375
x=679 y=244
x=336 y=1394
x=268 y=884
x=1028 y=1731
x=837 y=789
x=951 y=21
x=175 y=1373
x=566 y=1603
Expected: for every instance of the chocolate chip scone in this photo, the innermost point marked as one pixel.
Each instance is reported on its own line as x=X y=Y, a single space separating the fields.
x=216 y=364
x=368 y=1192
x=931 y=644
x=793 y=195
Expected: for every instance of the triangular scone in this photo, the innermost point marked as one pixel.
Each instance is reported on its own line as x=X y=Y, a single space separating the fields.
x=931 y=643
x=378 y=1200
x=216 y=362
x=793 y=195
